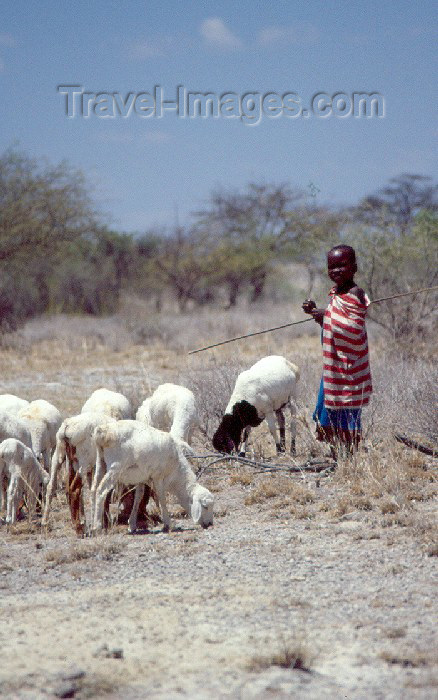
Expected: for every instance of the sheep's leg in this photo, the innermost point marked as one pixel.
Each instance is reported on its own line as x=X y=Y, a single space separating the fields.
x=132 y=522
x=108 y=482
x=31 y=498
x=293 y=426
x=281 y=446
x=51 y=487
x=161 y=495
x=270 y=419
x=99 y=473
x=3 y=491
x=245 y=440
x=11 y=506
x=75 y=499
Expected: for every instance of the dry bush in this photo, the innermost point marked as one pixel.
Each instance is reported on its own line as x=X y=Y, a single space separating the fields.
x=289 y=654
x=404 y=398
x=212 y=383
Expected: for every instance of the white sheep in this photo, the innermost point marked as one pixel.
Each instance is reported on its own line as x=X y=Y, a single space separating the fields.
x=136 y=454
x=172 y=408
x=43 y=420
x=12 y=404
x=74 y=443
x=24 y=474
x=260 y=393
x=110 y=403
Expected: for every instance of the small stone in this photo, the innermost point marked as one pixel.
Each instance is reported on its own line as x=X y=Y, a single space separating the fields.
x=66 y=690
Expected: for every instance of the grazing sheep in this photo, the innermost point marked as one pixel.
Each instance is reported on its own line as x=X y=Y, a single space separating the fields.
x=24 y=475
x=172 y=408
x=12 y=404
x=43 y=420
x=137 y=454
x=74 y=442
x=110 y=403
x=260 y=392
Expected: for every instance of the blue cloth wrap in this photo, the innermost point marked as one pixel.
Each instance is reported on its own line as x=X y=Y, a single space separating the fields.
x=340 y=418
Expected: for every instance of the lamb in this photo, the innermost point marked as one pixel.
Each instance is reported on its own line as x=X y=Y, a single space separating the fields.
x=24 y=473
x=260 y=392
x=43 y=420
x=137 y=454
x=110 y=403
x=12 y=404
x=172 y=408
x=74 y=443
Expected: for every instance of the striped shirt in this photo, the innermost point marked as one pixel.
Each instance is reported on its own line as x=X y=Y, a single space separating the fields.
x=346 y=369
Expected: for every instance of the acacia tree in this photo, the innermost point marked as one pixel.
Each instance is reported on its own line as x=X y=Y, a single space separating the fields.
x=397 y=203
x=49 y=236
x=184 y=264
x=41 y=206
x=247 y=227
x=392 y=264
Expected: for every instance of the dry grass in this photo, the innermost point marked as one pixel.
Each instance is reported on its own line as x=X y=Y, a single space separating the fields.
x=82 y=551
x=385 y=482
x=409 y=658
x=280 y=487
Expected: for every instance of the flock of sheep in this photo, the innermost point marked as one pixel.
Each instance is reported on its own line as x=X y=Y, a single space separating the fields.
x=105 y=447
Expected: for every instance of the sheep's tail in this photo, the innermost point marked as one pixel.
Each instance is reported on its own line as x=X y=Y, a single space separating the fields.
x=294 y=369
x=60 y=451
x=184 y=447
x=103 y=436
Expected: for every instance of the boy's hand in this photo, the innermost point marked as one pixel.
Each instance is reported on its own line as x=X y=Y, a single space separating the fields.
x=308 y=306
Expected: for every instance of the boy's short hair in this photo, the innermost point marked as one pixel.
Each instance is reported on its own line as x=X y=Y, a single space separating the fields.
x=345 y=249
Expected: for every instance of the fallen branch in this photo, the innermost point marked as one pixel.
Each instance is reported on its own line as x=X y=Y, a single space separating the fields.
x=309 y=466
x=416 y=445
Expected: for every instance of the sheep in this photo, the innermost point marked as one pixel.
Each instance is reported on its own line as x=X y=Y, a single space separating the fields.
x=172 y=408
x=110 y=403
x=12 y=404
x=137 y=454
x=43 y=420
x=260 y=392
x=13 y=426
x=74 y=442
x=23 y=472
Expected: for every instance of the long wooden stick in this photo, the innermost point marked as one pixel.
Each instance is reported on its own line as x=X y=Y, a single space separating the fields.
x=295 y=323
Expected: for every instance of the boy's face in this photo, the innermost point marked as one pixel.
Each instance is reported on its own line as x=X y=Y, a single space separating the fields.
x=341 y=267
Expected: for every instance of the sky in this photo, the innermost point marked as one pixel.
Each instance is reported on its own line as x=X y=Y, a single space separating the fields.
x=145 y=170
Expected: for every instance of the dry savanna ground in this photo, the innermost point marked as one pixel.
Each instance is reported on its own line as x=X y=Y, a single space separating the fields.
x=308 y=586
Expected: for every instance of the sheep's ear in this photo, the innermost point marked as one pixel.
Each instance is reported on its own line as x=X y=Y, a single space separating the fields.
x=196 y=511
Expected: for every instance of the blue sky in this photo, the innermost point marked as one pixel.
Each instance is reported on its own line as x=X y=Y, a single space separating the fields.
x=141 y=171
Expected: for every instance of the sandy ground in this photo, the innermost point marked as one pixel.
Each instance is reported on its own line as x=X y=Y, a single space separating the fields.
x=203 y=614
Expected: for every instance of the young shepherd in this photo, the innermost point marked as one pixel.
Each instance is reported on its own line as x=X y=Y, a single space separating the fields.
x=346 y=381
x=260 y=393
x=136 y=454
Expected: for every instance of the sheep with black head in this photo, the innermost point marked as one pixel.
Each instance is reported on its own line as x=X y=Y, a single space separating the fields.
x=260 y=393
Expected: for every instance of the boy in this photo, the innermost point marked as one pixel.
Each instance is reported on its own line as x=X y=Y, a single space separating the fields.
x=346 y=381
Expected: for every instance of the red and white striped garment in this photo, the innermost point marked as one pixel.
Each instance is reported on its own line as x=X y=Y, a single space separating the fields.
x=346 y=371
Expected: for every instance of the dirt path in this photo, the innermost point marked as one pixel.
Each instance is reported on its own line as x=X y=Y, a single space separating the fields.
x=192 y=613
